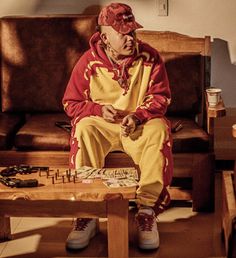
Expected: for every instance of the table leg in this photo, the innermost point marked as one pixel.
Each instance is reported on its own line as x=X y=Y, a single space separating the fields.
x=5 y=228
x=118 y=239
x=203 y=182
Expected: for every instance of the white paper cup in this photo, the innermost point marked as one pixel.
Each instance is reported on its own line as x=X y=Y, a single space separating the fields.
x=213 y=96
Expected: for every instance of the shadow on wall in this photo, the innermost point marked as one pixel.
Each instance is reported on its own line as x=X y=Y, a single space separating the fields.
x=223 y=72
x=74 y=6
x=93 y=9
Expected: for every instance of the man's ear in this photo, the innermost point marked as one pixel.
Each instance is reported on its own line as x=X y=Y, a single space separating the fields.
x=103 y=37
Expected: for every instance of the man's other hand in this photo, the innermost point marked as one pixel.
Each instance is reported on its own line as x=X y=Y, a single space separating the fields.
x=128 y=125
x=109 y=113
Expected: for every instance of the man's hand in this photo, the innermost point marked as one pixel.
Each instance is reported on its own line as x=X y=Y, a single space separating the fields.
x=128 y=125
x=109 y=113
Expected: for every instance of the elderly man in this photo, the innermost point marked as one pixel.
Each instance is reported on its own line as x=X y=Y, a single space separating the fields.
x=116 y=97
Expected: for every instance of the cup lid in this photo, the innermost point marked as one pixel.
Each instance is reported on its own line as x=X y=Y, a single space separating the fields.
x=213 y=90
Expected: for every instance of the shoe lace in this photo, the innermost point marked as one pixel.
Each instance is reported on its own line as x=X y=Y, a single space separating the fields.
x=145 y=221
x=81 y=223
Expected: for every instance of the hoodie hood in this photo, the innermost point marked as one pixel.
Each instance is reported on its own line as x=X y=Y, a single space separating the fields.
x=120 y=71
x=97 y=48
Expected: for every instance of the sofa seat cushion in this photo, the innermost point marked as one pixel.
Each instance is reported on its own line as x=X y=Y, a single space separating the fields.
x=191 y=138
x=9 y=124
x=40 y=133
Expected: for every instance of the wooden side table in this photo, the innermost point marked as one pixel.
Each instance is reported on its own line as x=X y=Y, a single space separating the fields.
x=70 y=199
x=229 y=208
x=234 y=135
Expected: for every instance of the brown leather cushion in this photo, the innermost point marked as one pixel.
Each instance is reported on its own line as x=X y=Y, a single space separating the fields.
x=184 y=73
x=9 y=124
x=191 y=138
x=38 y=54
x=41 y=133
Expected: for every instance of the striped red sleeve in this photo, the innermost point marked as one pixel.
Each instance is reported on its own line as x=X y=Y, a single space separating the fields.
x=76 y=101
x=158 y=95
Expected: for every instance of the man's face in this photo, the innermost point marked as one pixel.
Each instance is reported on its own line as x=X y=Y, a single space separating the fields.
x=123 y=44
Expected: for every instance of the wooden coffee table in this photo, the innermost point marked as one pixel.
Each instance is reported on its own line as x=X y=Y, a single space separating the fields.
x=70 y=199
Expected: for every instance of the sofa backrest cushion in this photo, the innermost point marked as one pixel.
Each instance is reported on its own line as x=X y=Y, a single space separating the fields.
x=186 y=59
x=38 y=54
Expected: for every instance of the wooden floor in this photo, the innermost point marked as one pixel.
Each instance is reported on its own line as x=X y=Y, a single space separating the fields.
x=183 y=233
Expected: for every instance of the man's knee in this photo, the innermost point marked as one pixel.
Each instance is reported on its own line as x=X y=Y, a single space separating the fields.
x=86 y=126
x=157 y=127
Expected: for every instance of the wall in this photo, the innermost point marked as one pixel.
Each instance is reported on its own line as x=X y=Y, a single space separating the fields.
x=195 y=18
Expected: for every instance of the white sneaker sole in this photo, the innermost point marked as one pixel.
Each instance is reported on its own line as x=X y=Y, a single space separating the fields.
x=80 y=245
x=149 y=247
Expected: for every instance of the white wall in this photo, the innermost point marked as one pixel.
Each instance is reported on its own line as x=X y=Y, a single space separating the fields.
x=192 y=17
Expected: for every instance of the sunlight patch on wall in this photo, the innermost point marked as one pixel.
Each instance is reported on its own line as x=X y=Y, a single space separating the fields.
x=12 y=52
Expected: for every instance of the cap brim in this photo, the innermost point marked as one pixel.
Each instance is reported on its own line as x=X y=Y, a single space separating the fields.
x=131 y=26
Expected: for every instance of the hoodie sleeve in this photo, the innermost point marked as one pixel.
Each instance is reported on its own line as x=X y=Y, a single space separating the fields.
x=76 y=101
x=158 y=95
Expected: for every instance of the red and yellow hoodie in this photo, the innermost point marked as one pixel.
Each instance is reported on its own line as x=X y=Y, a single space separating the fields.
x=95 y=82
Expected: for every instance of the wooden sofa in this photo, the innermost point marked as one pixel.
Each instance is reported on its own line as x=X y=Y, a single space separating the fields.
x=37 y=56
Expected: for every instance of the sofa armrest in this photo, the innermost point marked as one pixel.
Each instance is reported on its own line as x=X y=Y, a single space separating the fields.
x=214 y=112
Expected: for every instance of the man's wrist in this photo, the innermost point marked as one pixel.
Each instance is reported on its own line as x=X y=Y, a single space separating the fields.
x=136 y=120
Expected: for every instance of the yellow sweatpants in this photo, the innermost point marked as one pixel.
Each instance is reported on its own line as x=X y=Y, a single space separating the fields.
x=149 y=146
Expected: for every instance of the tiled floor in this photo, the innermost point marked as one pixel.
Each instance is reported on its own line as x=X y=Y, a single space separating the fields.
x=184 y=234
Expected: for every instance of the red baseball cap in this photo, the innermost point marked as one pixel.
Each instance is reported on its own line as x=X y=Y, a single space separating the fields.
x=120 y=17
